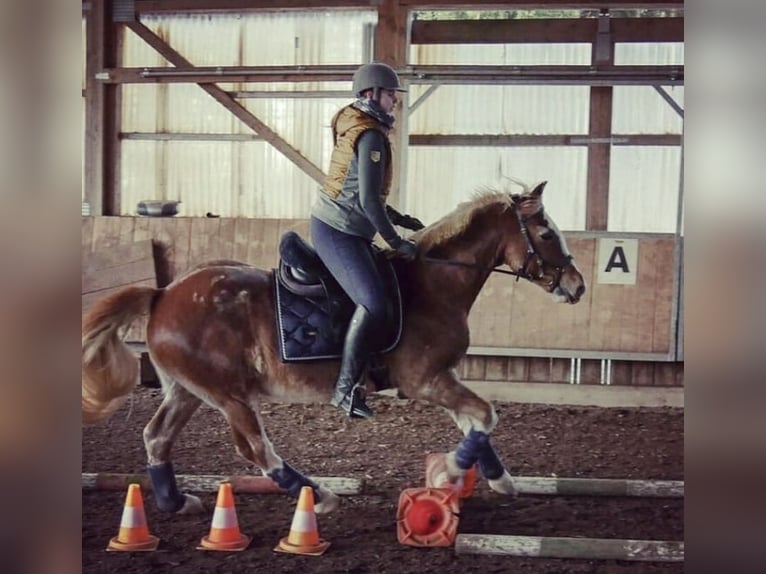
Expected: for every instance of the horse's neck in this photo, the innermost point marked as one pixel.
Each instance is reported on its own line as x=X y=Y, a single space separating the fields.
x=477 y=246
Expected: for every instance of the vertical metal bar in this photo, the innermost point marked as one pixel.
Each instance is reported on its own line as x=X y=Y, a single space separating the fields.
x=601 y=379
x=609 y=371
x=368 y=42
x=572 y=371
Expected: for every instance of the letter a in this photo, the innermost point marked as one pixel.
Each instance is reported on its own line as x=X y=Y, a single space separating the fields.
x=617 y=259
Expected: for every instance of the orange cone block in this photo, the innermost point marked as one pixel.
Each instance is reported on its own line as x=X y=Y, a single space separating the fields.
x=224 y=531
x=134 y=533
x=427 y=517
x=437 y=476
x=304 y=536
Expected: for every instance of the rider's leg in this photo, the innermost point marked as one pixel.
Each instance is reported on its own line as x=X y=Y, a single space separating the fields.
x=350 y=260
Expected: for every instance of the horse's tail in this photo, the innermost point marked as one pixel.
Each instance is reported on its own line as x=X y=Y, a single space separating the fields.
x=109 y=368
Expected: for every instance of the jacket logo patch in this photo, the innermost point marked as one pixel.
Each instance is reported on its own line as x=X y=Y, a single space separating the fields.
x=375 y=156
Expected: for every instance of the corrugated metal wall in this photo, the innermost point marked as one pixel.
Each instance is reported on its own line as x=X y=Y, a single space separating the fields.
x=251 y=179
x=235 y=178
x=644 y=181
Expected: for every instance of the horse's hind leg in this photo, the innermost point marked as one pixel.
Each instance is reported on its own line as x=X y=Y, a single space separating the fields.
x=251 y=443
x=160 y=434
x=477 y=419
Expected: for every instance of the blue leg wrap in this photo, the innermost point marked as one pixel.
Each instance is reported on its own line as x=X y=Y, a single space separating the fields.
x=489 y=464
x=166 y=493
x=470 y=447
x=292 y=481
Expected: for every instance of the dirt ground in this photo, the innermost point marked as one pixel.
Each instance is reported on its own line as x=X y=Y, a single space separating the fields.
x=388 y=454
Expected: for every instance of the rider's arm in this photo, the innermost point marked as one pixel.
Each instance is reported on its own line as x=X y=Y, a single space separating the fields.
x=372 y=158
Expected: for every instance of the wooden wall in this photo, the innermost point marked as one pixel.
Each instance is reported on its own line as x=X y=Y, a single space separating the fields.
x=610 y=318
x=559 y=370
x=509 y=315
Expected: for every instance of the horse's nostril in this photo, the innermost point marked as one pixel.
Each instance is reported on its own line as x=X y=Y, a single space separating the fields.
x=580 y=291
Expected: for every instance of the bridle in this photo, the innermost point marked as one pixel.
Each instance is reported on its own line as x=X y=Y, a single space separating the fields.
x=523 y=271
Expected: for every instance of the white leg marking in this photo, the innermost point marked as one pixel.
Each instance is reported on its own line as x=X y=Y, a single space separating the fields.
x=503 y=485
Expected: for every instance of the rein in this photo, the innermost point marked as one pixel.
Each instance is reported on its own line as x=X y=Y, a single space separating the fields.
x=474 y=266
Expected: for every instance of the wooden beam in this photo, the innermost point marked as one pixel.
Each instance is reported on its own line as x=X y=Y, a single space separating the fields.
x=391 y=40
x=184 y=6
x=602 y=74
x=511 y=140
x=295 y=94
x=502 y=31
x=546 y=5
x=599 y=159
x=101 y=113
x=572 y=30
x=94 y=107
x=648 y=29
x=559 y=75
x=213 y=74
x=159 y=6
x=223 y=98
x=193 y=137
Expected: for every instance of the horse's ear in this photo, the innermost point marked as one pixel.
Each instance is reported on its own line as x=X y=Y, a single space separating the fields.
x=538 y=190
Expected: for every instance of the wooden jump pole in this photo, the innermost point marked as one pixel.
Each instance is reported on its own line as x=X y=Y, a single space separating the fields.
x=210 y=482
x=598 y=487
x=584 y=548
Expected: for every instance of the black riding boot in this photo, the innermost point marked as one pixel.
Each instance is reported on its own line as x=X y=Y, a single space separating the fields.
x=349 y=394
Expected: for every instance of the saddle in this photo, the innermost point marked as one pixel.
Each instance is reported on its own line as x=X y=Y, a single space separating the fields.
x=313 y=310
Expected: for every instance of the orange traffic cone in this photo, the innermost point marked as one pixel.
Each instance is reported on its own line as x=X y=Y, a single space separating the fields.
x=224 y=531
x=134 y=533
x=304 y=536
x=437 y=476
x=427 y=517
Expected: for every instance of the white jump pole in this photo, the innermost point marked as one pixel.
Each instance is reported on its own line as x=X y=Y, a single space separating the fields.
x=584 y=548
x=559 y=486
x=209 y=482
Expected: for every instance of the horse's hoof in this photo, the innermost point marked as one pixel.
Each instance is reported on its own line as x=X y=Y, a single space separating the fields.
x=192 y=505
x=329 y=501
x=503 y=485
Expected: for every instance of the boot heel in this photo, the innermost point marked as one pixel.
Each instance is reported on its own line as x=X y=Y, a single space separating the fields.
x=358 y=409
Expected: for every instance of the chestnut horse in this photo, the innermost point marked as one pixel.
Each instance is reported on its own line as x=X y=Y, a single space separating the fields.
x=211 y=337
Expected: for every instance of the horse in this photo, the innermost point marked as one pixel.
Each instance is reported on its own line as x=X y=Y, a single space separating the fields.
x=211 y=338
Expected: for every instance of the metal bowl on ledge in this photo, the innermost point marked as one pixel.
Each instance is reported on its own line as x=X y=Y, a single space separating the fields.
x=158 y=207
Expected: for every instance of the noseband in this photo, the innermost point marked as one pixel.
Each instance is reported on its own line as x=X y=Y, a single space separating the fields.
x=523 y=271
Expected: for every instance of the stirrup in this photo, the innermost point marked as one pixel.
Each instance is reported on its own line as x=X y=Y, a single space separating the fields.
x=352 y=403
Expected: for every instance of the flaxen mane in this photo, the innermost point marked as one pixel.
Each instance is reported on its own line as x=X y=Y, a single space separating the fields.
x=482 y=201
x=457 y=222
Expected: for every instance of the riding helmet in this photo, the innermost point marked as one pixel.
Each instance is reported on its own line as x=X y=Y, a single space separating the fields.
x=376 y=75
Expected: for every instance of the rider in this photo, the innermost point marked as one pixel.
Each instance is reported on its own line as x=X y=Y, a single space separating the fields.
x=348 y=212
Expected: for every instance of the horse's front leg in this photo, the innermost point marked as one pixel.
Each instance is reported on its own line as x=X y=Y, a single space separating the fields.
x=477 y=448
x=477 y=419
x=252 y=444
x=160 y=434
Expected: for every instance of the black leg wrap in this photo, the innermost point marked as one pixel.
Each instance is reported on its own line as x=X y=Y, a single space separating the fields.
x=292 y=481
x=489 y=463
x=469 y=449
x=166 y=493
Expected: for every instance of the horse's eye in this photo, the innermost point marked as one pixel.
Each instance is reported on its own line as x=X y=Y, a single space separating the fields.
x=547 y=236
